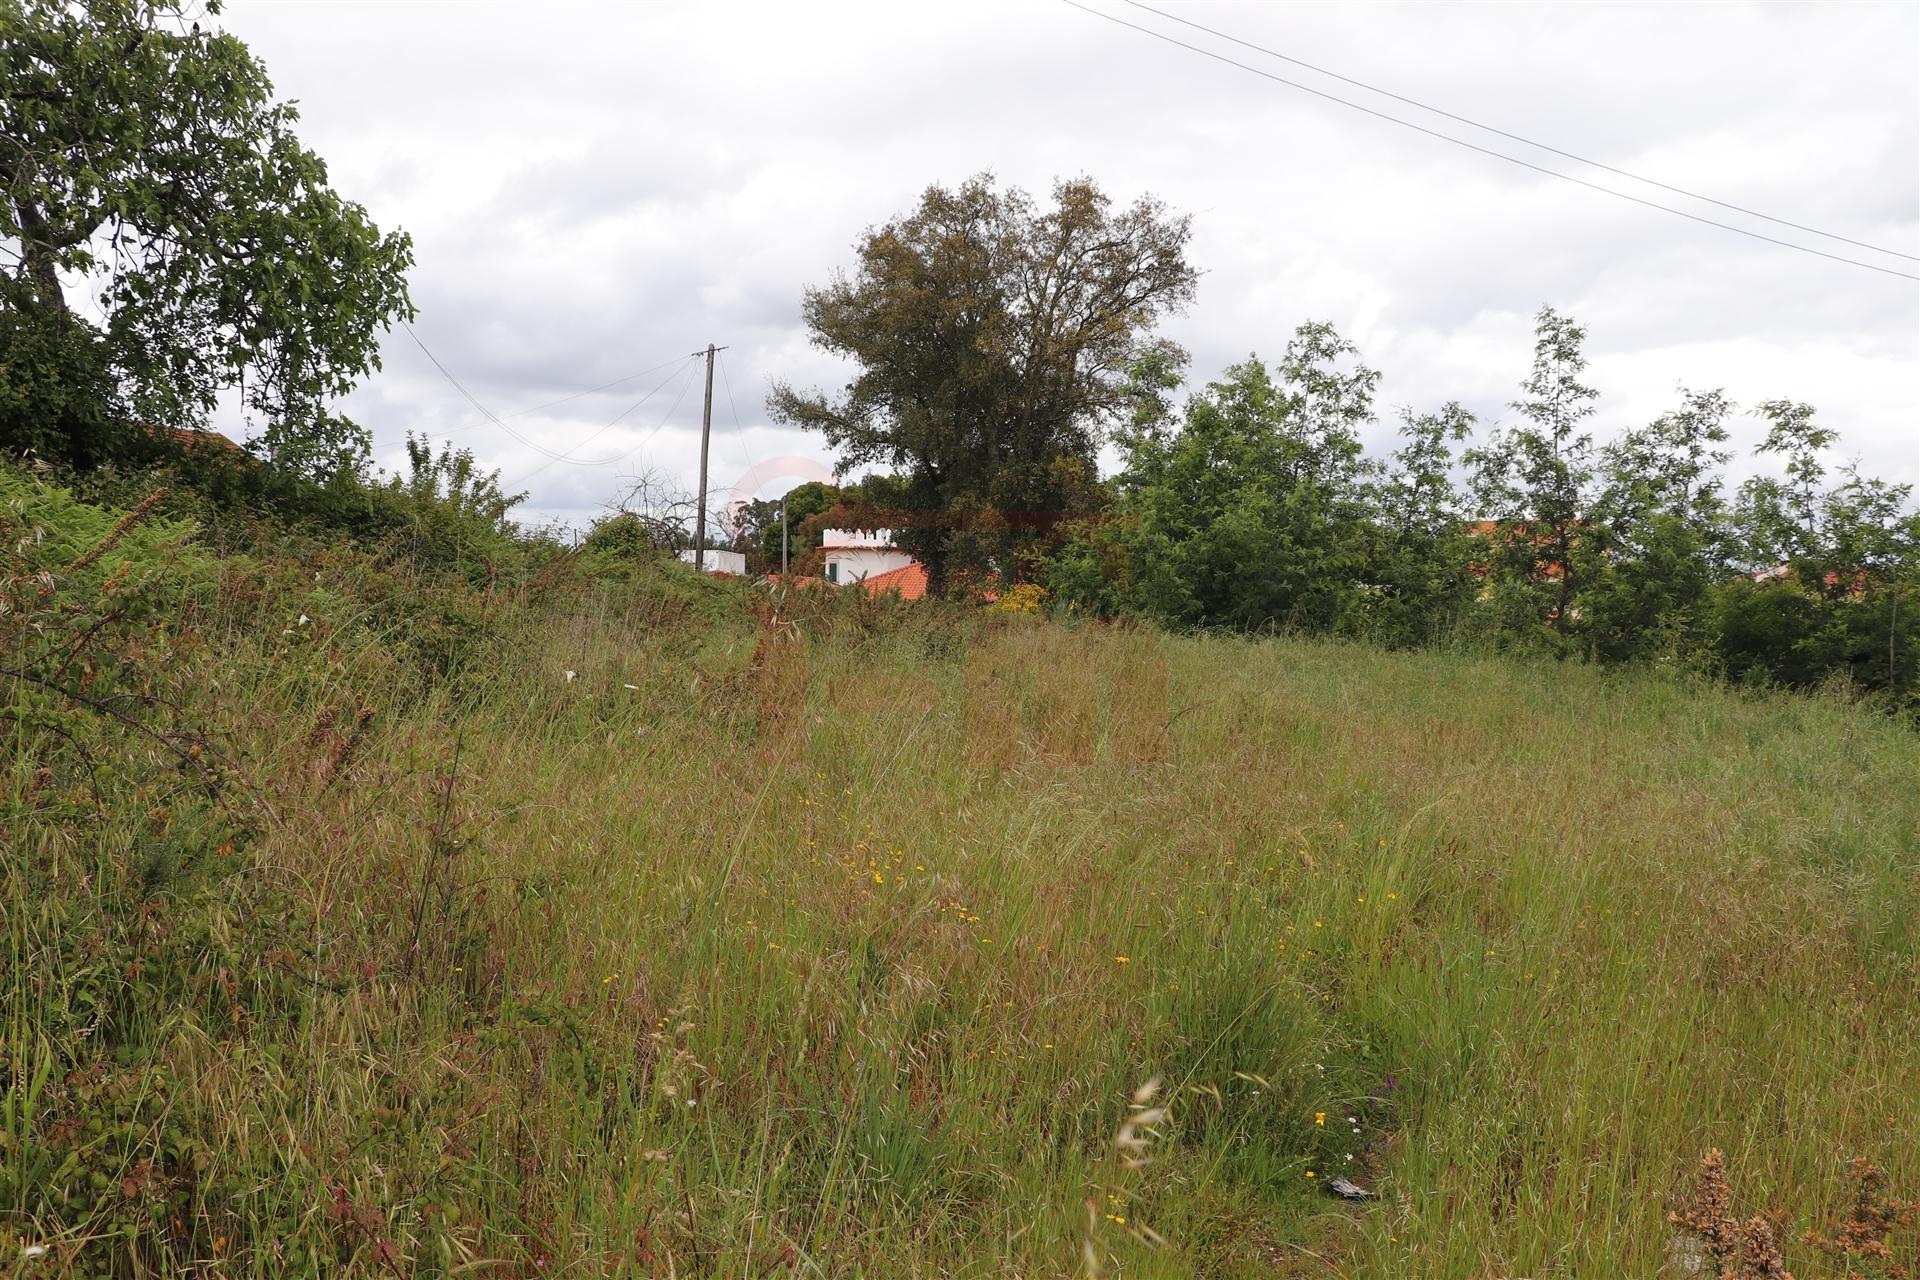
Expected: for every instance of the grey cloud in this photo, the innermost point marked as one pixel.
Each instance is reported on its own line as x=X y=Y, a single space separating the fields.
x=604 y=187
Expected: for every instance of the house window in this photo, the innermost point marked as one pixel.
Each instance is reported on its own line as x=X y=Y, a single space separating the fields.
x=833 y=571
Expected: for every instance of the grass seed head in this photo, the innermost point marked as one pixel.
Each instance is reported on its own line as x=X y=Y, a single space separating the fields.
x=1709 y=1215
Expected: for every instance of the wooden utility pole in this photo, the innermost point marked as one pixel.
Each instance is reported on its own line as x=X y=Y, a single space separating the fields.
x=783 y=544
x=706 y=433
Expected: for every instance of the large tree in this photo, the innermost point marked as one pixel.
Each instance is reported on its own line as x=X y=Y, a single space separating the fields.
x=993 y=340
x=1780 y=519
x=150 y=178
x=1423 y=554
x=1658 y=533
x=1534 y=481
x=1255 y=507
x=1253 y=511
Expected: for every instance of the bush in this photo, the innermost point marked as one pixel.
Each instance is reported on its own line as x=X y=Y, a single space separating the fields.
x=58 y=397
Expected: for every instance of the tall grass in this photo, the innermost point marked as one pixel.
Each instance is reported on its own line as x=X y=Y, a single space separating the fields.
x=582 y=928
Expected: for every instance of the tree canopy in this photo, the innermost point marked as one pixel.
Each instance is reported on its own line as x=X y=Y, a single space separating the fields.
x=1534 y=479
x=151 y=175
x=993 y=341
x=1256 y=506
x=1252 y=511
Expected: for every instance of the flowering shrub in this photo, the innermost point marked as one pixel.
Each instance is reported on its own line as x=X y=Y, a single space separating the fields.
x=1022 y=597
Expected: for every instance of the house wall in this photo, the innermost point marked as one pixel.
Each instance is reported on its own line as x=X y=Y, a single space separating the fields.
x=869 y=538
x=851 y=564
x=734 y=562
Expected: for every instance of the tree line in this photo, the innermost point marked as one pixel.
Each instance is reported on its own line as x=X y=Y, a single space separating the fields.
x=997 y=344
x=148 y=176
x=1256 y=505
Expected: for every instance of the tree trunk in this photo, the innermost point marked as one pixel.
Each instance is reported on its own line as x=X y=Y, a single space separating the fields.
x=37 y=263
x=1565 y=552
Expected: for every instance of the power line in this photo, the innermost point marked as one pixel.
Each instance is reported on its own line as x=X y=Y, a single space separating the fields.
x=664 y=418
x=1414 y=102
x=624 y=413
x=686 y=363
x=473 y=400
x=605 y=386
x=1485 y=151
x=498 y=421
x=740 y=433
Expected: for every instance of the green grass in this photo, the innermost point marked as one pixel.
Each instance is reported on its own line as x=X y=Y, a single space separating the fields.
x=849 y=965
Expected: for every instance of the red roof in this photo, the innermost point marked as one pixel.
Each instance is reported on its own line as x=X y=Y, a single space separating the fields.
x=192 y=438
x=910 y=581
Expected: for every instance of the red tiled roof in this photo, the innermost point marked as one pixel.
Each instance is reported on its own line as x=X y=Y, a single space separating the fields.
x=1855 y=582
x=189 y=438
x=910 y=581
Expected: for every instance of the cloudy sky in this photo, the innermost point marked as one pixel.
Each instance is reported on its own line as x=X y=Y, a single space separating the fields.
x=596 y=190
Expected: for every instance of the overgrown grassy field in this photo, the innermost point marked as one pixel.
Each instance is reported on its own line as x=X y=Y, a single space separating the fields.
x=358 y=925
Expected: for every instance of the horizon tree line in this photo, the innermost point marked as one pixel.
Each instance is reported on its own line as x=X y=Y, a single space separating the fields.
x=998 y=344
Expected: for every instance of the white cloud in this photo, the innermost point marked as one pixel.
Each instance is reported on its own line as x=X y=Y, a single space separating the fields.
x=610 y=186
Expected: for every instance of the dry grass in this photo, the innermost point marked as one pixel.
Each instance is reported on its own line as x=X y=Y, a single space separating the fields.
x=625 y=974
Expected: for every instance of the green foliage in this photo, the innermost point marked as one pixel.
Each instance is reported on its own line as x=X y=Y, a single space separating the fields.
x=621 y=536
x=1776 y=632
x=1255 y=511
x=442 y=518
x=1255 y=507
x=802 y=502
x=1423 y=554
x=994 y=342
x=1779 y=632
x=756 y=523
x=1658 y=535
x=90 y=602
x=1783 y=518
x=131 y=567
x=435 y=970
x=361 y=919
x=1533 y=480
x=59 y=397
x=455 y=516
x=149 y=155
x=1261 y=528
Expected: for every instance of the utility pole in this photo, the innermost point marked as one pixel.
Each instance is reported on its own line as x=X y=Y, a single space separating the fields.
x=783 y=546
x=706 y=433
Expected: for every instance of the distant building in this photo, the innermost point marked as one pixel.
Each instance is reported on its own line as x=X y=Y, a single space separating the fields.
x=860 y=555
x=194 y=442
x=191 y=438
x=1852 y=585
x=734 y=562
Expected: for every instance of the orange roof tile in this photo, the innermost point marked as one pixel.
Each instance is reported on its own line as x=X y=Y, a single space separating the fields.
x=191 y=437
x=910 y=581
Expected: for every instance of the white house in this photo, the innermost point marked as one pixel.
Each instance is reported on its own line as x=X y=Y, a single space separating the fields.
x=734 y=562
x=854 y=555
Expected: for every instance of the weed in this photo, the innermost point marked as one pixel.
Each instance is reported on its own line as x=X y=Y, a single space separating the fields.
x=342 y=934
